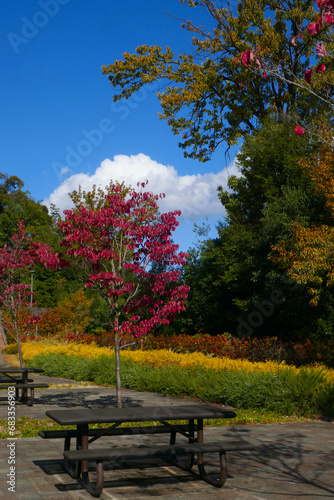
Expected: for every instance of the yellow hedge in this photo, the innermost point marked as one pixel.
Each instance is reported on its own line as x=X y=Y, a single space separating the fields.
x=32 y=349
x=162 y=357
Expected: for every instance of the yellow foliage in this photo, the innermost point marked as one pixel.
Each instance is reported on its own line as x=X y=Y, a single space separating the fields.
x=163 y=357
x=32 y=349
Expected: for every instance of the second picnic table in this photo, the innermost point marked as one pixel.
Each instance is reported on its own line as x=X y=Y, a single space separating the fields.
x=18 y=378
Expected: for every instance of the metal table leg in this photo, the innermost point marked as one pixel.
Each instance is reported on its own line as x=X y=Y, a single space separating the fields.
x=200 y=461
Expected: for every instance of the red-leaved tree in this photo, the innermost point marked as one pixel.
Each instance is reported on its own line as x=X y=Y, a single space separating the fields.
x=17 y=259
x=122 y=248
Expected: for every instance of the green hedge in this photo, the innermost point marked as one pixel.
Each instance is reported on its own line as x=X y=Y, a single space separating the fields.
x=304 y=393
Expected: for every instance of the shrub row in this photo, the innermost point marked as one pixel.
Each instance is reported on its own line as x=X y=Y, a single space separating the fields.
x=264 y=349
x=304 y=392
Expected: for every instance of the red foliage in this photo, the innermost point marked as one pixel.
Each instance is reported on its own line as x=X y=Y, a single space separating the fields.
x=116 y=244
x=267 y=348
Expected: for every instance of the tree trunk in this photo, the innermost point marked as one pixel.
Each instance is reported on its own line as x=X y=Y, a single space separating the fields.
x=118 y=372
x=16 y=330
x=2 y=331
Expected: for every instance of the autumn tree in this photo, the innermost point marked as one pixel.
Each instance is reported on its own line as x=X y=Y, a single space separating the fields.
x=231 y=276
x=114 y=239
x=208 y=96
x=309 y=251
x=17 y=259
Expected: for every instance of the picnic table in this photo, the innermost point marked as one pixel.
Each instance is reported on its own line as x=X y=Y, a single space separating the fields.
x=18 y=378
x=117 y=455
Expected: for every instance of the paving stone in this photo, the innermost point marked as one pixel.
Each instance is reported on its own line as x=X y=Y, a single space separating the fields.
x=291 y=461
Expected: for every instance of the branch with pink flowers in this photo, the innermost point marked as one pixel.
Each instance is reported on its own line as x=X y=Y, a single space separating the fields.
x=318 y=32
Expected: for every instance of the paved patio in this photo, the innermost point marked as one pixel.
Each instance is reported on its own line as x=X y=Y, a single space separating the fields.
x=292 y=461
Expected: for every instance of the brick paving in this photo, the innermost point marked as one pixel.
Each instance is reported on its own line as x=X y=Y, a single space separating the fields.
x=291 y=461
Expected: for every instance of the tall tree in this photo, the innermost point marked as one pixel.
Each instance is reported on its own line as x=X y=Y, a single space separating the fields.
x=232 y=277
x=208 y=96
x=115 y=240
x=308 y=252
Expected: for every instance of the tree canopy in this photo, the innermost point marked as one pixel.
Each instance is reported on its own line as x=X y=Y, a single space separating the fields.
x=236 y=283
x=207 y=95
x=17 y=204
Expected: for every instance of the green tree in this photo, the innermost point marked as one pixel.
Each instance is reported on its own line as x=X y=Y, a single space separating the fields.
x=17 y=204
x=235 y=286
x=307 y=251
x=207 y=95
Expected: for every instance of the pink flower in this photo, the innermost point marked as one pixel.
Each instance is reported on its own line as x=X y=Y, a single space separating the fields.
x=299 y=130
x=246 y=58
x=308 y=75
x=311 y=28
x=314 y=28
x=293 y=41
x=320 y=68
x=329 y=19
x=320 y=49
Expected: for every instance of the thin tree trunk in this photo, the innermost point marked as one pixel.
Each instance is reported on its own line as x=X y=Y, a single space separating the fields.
x=16 y=330
x=2 y=331
x=118 y=372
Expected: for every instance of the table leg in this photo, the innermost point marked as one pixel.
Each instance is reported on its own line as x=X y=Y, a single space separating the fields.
x=96 y=490
x=84 y=446
x=190 y=462
x=200 y=461
x=81 y=431
x=25 y=378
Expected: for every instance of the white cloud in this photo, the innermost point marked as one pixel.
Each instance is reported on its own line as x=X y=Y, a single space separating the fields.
x=195 y=195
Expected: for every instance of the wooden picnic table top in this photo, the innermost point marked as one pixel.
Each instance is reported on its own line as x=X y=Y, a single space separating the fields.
x=138 y=414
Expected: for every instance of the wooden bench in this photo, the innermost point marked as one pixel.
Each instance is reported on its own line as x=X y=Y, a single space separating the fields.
x=25 y=387
x=118 y=455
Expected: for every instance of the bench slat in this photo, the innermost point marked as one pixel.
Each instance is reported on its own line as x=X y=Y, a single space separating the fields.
x=31 y=386
x=24 y=386
x=131 y=452
x=16 y=378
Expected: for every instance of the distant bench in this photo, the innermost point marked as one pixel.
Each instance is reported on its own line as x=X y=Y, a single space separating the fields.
x=18 y=378
x=25 y=397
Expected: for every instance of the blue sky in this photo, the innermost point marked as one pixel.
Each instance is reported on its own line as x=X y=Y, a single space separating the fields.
x=59 y=126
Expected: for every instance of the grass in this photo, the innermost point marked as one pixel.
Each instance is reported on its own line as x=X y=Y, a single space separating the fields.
x=29 y=427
